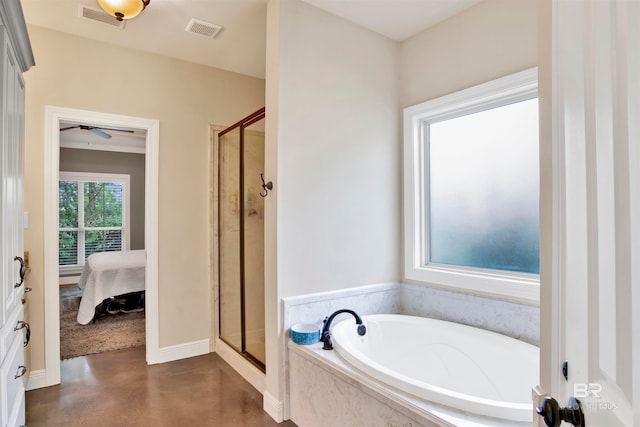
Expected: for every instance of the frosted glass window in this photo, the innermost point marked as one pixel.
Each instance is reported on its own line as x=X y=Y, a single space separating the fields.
x=471 y=189
x=483 y=189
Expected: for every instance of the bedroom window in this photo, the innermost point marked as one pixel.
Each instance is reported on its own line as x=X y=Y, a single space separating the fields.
x=93 y=216
x=472 y=189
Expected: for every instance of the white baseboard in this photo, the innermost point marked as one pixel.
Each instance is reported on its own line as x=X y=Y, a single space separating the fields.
x=253 y=375
x=180 y=351
x=69 y=280
x=37 y=379
x=273 y=407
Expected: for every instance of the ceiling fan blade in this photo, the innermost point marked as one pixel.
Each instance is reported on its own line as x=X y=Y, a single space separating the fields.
x=117 y=130
x=100 y=133
x=98 y=130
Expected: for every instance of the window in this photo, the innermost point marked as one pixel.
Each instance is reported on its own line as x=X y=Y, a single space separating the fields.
x=93 y=216
x=472 y=189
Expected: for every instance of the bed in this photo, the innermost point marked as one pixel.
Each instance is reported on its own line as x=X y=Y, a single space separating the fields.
x=108 y=274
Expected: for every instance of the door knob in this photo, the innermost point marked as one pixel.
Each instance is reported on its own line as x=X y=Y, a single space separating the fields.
x=553 y=414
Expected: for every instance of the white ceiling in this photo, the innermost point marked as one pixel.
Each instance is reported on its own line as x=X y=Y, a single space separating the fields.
x=240 y=46
x=396 y=19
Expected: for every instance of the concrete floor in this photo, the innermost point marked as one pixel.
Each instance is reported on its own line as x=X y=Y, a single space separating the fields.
x=118 y=388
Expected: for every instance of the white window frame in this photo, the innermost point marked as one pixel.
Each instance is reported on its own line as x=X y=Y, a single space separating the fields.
x=520 y=287
x=123 y=179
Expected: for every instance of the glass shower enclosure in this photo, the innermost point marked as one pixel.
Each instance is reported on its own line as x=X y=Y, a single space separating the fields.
x=241 y=237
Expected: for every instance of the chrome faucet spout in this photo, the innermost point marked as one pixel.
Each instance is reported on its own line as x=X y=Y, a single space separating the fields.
x=325 y=337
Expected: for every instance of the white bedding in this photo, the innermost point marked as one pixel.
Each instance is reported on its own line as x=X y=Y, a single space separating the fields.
x=108 y=274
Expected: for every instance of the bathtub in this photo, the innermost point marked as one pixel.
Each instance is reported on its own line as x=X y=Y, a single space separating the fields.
x=463 y=367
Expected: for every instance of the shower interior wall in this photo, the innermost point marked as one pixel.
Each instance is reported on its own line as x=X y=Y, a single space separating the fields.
x=241 y=264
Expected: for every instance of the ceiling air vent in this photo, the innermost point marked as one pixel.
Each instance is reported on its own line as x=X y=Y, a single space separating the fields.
x=203 y=28
x=96 y=15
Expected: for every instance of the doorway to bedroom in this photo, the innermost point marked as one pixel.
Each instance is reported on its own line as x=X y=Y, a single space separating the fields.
x=101 y=238
x=101 y=197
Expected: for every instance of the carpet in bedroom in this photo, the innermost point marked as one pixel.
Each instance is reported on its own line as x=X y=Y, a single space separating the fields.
x=109 y=333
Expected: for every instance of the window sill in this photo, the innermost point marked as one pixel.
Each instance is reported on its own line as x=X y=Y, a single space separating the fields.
x=71 y=270
x=524 y=289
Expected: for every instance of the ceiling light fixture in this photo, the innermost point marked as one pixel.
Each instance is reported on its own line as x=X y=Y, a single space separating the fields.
x=123 y=9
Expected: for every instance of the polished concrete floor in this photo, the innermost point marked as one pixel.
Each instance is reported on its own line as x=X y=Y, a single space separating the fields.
x=118 y=388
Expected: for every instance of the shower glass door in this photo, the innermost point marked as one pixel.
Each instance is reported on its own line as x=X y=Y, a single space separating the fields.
x=253 y=159
x=230 y=264
x=241 y=237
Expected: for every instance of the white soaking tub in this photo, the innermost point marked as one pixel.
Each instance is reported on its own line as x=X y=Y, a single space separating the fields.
x=466 y=368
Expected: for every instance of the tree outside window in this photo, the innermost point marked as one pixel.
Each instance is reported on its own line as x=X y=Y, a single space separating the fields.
x=92 y=216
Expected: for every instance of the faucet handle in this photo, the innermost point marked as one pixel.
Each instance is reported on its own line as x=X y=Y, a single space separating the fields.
x=326 y=339
x=362 y=329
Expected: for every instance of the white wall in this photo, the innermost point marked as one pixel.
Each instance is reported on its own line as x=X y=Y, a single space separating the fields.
x=490 y=40
x=334 y=97
x=338 y=154
x=333 y=124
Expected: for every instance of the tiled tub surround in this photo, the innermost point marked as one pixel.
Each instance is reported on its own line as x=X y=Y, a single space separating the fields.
x=511 y=319
x=515 y=320
x=519 y=321
x=326 y=391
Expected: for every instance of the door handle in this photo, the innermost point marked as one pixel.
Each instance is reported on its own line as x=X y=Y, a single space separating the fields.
x=22 y=325
x=22 y=370
x=23 y=271
x=553 y=414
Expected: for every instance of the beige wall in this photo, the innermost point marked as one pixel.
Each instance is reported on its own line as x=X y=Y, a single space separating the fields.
x=79 y=73
x=333 y=127
x=490 y=40
x=132 y=164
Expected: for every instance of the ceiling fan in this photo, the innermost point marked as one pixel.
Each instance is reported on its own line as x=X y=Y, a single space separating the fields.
x=100 y=131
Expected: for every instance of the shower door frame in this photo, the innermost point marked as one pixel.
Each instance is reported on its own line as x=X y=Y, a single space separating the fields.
x=242 y=125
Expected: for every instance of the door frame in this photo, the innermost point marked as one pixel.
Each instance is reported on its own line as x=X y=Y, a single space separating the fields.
x=53 y=117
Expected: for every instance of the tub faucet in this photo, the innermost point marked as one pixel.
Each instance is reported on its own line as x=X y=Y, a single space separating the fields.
x=325 y=337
